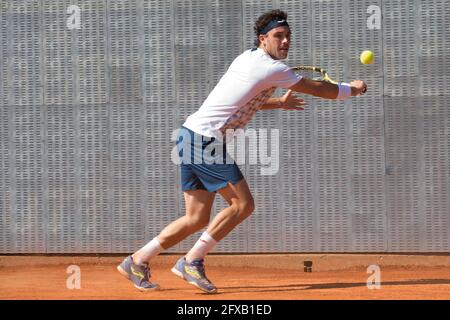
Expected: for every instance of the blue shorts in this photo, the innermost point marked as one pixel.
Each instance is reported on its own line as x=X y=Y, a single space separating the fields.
x=205 y=164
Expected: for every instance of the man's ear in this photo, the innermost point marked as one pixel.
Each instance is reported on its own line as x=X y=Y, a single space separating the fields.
x=261 y=38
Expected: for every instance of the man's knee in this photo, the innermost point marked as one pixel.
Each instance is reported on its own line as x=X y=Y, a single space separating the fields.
x=243 y=208
x=248 y=207
x=198 y=221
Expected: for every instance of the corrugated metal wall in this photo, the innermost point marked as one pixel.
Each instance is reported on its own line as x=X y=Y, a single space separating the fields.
x=86 y=118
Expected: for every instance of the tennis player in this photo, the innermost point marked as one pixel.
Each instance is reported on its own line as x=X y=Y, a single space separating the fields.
x=245 y=88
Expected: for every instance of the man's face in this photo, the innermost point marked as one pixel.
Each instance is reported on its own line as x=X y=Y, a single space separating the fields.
x=276 y=42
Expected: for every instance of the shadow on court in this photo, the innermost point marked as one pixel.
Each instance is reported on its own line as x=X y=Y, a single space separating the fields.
x=318 y=286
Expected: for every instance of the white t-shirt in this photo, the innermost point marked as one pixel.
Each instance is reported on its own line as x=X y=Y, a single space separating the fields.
x=247 y=85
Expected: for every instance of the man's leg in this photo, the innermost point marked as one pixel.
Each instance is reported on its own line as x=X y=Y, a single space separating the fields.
x=241 y=205
x=198 y=209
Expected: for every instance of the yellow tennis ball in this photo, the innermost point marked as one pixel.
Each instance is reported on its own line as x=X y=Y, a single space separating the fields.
x=366 y=57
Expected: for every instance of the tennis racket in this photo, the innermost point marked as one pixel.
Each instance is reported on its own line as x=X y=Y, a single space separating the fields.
x=319 y=73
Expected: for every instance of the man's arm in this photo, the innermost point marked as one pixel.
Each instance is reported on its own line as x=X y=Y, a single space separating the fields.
x=320 y=89
x=326 y=90
x=287 y=102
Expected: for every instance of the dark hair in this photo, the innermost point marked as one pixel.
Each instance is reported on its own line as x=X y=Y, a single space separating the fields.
x=264 y=19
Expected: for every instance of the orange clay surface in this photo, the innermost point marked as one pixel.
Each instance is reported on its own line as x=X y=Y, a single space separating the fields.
x=102 y=281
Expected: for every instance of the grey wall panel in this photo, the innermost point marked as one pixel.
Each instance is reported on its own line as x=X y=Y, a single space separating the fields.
x=123 y=33
x=6 y=216
x=62 y=184
x=7 y=223
x=367 y=133
x=437 y=173
x=296 y=145
x=96 y=219
x=4 y=59
x=434 y=54
x=225 y=37
x=161 y=118
x=400 y=57
x=127 y=211
x=402 y=183
x=91 y=48
x=435 y=60
x=401 y=68
x=87 y=117
x=93 y=211
x=59 y=73
x=191 y=45
x=27 y=78
x=28 y=161
x=334 y=216
x=125 y=130
x=159 y=56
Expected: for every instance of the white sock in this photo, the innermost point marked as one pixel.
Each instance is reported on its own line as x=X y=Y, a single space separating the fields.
x=201 y=247
x=148 y=252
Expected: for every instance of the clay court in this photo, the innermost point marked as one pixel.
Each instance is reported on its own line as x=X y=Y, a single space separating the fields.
x=279 y=277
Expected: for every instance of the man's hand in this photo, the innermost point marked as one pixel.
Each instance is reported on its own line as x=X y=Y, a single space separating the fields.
x=290 y=102
x=287 y=102
x=358 y=87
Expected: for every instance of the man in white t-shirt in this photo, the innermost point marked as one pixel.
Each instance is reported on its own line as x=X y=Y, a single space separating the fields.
x=245 y=88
